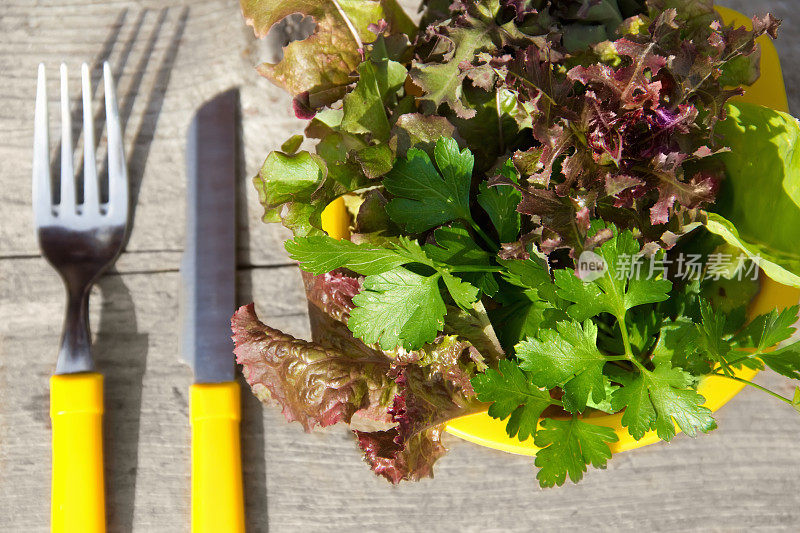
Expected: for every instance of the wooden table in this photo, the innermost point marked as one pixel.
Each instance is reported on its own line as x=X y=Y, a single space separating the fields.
x=169 y=60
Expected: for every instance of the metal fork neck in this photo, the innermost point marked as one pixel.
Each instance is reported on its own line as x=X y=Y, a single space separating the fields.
x=75 y=354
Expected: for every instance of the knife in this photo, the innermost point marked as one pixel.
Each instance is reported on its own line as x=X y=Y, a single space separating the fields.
x=208 y=294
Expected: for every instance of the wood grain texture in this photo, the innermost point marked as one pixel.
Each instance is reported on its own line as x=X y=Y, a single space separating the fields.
x=744 y=476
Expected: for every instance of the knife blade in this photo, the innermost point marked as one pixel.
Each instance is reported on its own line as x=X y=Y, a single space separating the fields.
x=208 y=274
x=209 y=262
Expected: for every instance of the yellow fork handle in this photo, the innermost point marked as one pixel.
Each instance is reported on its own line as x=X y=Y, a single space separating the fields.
x=78 y=492
x=217 y=494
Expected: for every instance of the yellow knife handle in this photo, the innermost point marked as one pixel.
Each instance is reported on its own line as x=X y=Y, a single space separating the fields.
x=78 y=497
x=217 y=494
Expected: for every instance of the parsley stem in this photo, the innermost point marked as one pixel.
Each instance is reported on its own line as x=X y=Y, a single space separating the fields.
x=626 y=342
x=499 y=122
x=457 y=269
x=623 y=328
x=620 y=364
x=483 y=234
x=755 y=385
x=748 y=357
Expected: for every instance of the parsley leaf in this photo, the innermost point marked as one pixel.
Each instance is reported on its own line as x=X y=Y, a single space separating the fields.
x=463 y=293
x=712 y=335
x=567 y=447
x=796 y=399
x=765 y=331
x=500 y=203
x=618 y=290
x=513 y=396
x=320 y=254
x=525 y=312
x=455 y=247
x=604 y=405
x=679 y=345
x=653 y=399
x=568 y=358
x=427 y=197
x=531 y=273
x=398 y=308
x=523 y=315
x=455 y=166
x=412 y=250
x=785 y=361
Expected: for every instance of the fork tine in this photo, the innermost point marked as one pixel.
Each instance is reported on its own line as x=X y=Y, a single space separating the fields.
x=41 y=191
x=67 y=202
x=91 y=196
x=117 y=170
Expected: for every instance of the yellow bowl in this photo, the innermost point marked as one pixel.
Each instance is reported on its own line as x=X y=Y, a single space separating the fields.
x=481 y=429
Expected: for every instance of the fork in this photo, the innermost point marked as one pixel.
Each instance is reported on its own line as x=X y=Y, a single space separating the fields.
x=80 y=240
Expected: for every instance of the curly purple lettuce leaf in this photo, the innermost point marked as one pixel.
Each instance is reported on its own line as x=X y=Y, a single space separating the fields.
x=623 y=133
x=411 y=461
x=313 y=384
x=424 y=402
x=337 y=378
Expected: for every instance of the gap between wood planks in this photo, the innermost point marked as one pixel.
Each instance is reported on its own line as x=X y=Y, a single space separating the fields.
x=169 y=270
x=242 y=267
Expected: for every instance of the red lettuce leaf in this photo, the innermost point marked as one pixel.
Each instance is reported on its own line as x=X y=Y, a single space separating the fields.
x=337 y=377
x=313 y=384
x=332 y=292
x=423 y=403
x=413 y=460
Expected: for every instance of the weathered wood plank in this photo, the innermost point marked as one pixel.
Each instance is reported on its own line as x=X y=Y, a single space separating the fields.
x=135 y=323
x=168 y=61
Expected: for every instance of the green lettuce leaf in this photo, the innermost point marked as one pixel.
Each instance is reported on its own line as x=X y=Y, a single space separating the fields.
x=500 y=203
x=379 y=79
x=759 y=208
x=289 y=188
x=415 y=130
x=779 y=266
x=443 y=81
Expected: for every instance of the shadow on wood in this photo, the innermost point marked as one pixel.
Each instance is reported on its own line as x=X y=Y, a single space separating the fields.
x=137 y=159
x=254 y=467
x=121 y=354
x=120 y=350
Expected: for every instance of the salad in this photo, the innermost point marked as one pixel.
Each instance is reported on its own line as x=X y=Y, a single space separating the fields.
x=556 y=209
